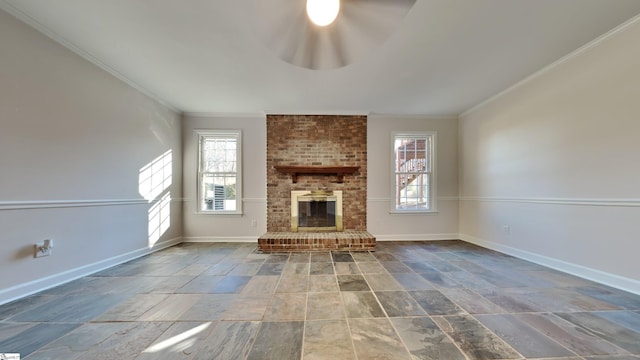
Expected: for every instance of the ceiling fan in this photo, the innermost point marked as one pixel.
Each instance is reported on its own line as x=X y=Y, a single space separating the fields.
x=288 y=31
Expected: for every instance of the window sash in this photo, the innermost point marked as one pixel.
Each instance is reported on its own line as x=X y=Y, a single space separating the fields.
x=413 y=165
x=219 y=172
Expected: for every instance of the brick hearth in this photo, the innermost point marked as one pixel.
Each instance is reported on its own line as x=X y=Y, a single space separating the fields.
x=308 y=241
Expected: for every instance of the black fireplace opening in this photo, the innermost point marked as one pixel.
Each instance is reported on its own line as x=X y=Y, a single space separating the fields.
x=317 y=214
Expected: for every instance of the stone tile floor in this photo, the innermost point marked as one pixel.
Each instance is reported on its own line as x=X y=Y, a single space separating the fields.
x=419 y=300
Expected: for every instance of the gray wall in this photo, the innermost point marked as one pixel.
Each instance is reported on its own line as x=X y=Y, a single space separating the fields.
x=382 y=224
x=209 y=227
x=556 y=160
x=433 y=226
x=73 y=142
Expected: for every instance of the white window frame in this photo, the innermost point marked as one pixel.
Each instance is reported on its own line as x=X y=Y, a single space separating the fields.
x=432 y=189
x=223 y=134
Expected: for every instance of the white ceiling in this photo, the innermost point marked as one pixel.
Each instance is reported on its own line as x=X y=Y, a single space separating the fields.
x=207 y=56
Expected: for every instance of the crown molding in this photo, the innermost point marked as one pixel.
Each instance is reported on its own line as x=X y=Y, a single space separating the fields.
x=319 y=112
x=206 y=114
x=415 y=116
x=30 y=21
x=581 y=50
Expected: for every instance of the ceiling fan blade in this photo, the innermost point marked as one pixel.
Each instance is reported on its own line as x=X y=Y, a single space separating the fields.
x=312 y=47
x=360 y=26
x=376 y=19
x=281 y=29
x=307 y=48
x=327 y=48
x=403 y=3
x=339 y=49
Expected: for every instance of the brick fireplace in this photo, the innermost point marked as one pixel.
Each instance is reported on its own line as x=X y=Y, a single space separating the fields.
x=316 y=153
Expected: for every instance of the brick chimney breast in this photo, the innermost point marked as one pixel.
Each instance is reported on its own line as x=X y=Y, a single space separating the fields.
x=316 y=140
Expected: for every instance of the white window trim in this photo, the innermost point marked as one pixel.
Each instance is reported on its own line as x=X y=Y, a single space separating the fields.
x=237 y=134
x=432 y=184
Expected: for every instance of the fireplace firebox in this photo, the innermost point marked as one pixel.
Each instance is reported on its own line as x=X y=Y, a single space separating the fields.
x=316 y=210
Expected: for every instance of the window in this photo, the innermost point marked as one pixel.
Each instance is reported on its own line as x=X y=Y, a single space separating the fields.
x=219 y=172
x=413 y=183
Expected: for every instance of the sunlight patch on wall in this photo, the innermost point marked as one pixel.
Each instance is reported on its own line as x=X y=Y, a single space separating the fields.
x=159 y=218
x=155 y=177
x=153 y=180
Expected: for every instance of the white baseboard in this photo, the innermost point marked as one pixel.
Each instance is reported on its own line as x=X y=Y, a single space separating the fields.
x=254 y=239
x=416 y=237
x=613 y=280
x=32 y=287
x=219 y=239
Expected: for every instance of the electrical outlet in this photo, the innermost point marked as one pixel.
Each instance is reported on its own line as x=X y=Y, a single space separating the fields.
x=506 y=229
x=254 y=223
x=43 y=249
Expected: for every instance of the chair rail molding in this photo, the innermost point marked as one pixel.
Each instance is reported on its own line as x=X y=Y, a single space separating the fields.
x=614 y=202
x=49 y=204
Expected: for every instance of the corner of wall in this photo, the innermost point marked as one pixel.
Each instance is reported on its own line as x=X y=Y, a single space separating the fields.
x=22 y=290
x=613 y=280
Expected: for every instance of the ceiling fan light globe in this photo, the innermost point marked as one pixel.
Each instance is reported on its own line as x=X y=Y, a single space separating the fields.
x=323 y=12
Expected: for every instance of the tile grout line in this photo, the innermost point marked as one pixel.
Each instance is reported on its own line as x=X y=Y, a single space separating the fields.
x=306 y=307
x=543 y=334
x=506 y=313
x=429 y=315
x=271 y=299
x=437 y=288
x=406 y=348
x=474 y=291
x=579 y=326
x=353 y=344
x=344 y=309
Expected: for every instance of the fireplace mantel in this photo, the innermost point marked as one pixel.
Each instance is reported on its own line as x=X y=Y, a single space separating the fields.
x=339 y=171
